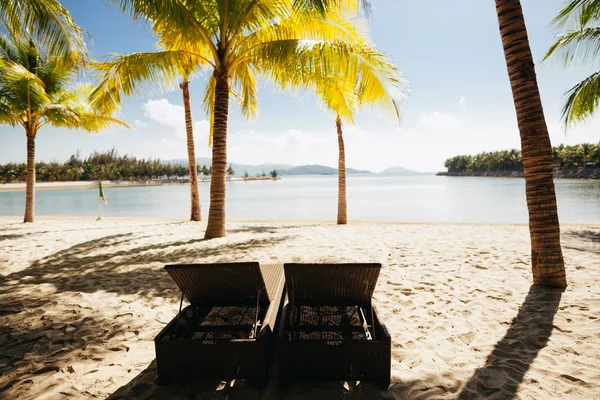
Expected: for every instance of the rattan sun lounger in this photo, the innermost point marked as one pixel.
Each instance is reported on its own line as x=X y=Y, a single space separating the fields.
x=329 y=329
x=226 y=332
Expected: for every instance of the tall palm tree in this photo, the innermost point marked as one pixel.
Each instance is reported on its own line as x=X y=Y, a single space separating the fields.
x=161 y=70
x=364 y=76
x=49 y=22
x=36 y=89
x=191 y=148
x=546 y=253
x=581 y=43
x=238 y=41
x=378 y=83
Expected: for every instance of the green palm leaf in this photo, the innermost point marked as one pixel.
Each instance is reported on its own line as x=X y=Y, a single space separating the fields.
x=50 y=23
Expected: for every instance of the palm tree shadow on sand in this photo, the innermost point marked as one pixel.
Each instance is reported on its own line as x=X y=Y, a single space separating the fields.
x=512 y=356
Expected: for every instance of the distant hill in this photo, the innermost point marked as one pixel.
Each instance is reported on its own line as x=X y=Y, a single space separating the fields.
x=401 y=171
x=240 y=169
x=282 y=169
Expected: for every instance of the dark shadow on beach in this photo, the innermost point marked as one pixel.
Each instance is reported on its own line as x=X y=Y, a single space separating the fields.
x=512 y=356
x=592 y=236
x=10 y=237
x=262 y=229
x=143 y=386
x=37 y=340
x=96 y=264
x=582 y=240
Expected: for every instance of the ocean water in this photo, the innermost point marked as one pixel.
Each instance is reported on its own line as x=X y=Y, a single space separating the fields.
x=382 y=198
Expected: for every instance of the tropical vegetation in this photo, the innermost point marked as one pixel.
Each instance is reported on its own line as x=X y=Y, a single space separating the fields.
x=581 y=156
x=238 y=41
x=38 y=89
x=109 y=165
x=579 y=43
x=544 y=229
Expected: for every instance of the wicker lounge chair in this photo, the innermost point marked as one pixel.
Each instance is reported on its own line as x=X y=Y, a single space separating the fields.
x=226 y=332
x=329 y=329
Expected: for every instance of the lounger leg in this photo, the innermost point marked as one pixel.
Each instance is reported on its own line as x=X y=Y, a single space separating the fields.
x=255 y=330
x=179 y=315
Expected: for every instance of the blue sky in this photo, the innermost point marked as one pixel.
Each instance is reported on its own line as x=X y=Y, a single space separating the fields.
x=459 y=101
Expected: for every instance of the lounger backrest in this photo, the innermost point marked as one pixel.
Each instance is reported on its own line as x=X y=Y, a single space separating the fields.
x=331 y=284
x=231 y=284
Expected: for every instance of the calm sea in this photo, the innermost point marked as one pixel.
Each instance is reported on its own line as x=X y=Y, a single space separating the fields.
x=384 y=198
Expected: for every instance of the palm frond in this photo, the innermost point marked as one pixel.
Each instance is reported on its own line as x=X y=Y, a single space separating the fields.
x=322 y=6
x=244 y=80
x=195 y=20
x=209 y=104
x=582 y=100
x=127 y=74
x=51 y=24
x=26 y=87
x=580 y=12
x=580 y=45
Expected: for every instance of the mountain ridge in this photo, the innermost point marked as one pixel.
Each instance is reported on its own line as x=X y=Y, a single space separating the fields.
x=288 y=169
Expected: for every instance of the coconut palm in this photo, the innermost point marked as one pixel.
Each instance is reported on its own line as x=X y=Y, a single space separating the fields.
x=361 y=76
x=36 y=89
x=140 y=66
x=237 y=41
x=546 y=253
x=49 y=22
x=376 y=82
x=581 y=43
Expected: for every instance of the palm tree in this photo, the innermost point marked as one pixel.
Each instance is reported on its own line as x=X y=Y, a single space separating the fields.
x=35 y=90
x=544 y=228
x=582 y=43
x=237 y=40
x=361 y=75
x=376 y=82
x=141 y=66
x=193 y=171
x=49 y=22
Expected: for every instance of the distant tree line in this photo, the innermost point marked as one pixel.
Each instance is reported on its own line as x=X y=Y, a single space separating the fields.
x=582 y=156
x=107 y=165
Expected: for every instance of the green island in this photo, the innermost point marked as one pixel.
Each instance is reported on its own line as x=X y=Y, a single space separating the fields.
x=570 y=162
x=111 y=166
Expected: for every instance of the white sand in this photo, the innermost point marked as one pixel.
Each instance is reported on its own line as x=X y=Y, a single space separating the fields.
x=80 y=303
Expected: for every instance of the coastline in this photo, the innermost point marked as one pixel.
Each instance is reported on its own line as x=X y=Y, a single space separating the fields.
x=12 y=219
x=16 y=187
x=564 y=174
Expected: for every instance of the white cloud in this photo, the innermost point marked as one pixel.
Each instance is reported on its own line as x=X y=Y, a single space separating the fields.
x=140 y=123
x=463 y=104
x=422 y=145
x=440 y=121
x=173 y=116
x=165 y=113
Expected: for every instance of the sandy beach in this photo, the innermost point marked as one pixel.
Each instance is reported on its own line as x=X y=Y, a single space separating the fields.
x=81 y=301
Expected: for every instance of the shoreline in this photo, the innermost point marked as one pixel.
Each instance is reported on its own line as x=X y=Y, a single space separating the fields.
x=18 y=187
x=303 y=222
x=591 y=174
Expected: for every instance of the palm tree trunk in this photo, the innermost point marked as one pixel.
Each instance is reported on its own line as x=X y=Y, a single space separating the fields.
x=193 y=171
x=342 y=218
x=544 y=229
x=30 y=185
x=216 y=214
